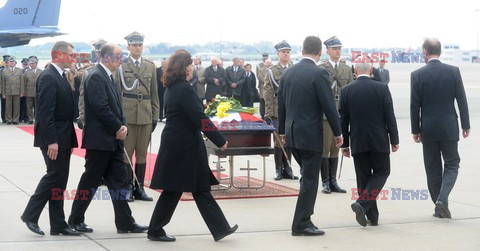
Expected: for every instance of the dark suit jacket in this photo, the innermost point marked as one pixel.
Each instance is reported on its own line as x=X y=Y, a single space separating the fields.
x=384 y=76
x=54 y=111
x=434 y=89
x=103 y=112
x=182 y=162
x=249 y=90
x=213 y=89
x=234 y=77
x=304 y=96
x=367 y=117
x=161 y=88
x=376 y=74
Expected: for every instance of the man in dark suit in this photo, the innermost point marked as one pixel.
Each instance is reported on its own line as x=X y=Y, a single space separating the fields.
x=383 y=73
x=161 y=88
x=367 y=117
x=55 y=135
x=214 y=77
x=103 y=135
x=234 y=79
x=304 y=95
x=434 y=89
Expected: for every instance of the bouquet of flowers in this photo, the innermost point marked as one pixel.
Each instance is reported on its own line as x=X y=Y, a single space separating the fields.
x=221 y=106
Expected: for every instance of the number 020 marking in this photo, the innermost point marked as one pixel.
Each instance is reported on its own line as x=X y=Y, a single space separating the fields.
x=20 y=11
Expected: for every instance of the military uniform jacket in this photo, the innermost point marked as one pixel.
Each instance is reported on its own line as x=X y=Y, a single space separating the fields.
x=270 y=89
x=29 y=82
x=140 y=105
x=343 y=76
x=260 y=72
x=12 y=81
x=201 y=82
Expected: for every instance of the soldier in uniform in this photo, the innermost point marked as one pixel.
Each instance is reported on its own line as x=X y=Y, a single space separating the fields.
x=23 y=100
x=340 y=75
x=12 y=82
x=138 y=84
x=200 y=72
x=260 y=72
x=97 y=45
x=29 y=86
x=270 y=89
x=3 y=104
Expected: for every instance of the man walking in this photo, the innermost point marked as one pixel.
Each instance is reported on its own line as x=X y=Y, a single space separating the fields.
x=303 y=96
x=367 y=117
x=434 y=89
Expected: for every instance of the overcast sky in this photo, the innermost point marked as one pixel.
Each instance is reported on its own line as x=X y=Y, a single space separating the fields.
x=393 y=23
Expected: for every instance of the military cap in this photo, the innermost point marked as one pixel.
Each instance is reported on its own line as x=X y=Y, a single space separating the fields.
x=33 y=59
x=24 y=61
x=135 y=38
x=5 y=58
x=332 y=42
x=12 y=59
x=283 y=46
x=265 y=55
x=98 y=44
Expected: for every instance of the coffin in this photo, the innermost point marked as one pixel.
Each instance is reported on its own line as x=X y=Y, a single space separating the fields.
x=245 y=134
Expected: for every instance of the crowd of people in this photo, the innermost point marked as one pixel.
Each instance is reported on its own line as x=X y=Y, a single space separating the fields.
x=316 y=107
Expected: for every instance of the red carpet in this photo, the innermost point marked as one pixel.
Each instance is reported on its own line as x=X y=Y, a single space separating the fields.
x=269 y=190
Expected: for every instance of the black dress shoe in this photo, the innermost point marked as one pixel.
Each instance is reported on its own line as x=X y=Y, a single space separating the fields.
x=15 y=123
x=81 y=227
x=227 y=233
x=166 y=237
x=335 y=187
x=34 y=228
x=140 y=194
x=66 y=231
x=441 y=209
x=372 y=223
x=9 y=123
x=30 y=122
x=360 y=213
x=309 y=231
x=135 y=228
x=326 y=186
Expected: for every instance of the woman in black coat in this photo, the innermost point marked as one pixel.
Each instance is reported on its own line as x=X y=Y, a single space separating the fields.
x=182 y=163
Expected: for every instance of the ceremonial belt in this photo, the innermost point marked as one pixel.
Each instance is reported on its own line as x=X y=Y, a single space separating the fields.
x=273 y=83
x=136 y=96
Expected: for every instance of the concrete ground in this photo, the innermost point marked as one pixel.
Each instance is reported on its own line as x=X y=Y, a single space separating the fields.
x=264 y=224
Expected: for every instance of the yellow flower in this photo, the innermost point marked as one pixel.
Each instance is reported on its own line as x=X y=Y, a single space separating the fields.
x=222 y=109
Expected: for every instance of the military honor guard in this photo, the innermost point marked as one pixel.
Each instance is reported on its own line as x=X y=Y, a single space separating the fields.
x=138 y=84
x=270 y=90
x=29 y=86
x=12 y=81
x=340 y=75
x=260 y=72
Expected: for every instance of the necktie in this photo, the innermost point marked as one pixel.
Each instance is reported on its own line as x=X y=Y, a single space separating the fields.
x=336 y=66
x=137 y=64
x=215 y=69
x=111 y=78
x=64 y=76
x=235 y=69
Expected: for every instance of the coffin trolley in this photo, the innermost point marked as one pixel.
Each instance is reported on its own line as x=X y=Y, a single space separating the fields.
x=244 y=138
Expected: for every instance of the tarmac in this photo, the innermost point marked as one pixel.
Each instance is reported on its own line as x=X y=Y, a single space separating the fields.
x=406 y=221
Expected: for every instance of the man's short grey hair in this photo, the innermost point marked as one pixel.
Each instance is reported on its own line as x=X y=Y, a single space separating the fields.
x=363 y=67
x=62 y=46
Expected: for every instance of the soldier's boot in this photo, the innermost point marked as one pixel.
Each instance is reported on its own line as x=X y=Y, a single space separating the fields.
x=139 y=192
x=278 y=163
x=287 y=169
x=129 y=195
x=333 y=176
x=324 y=172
